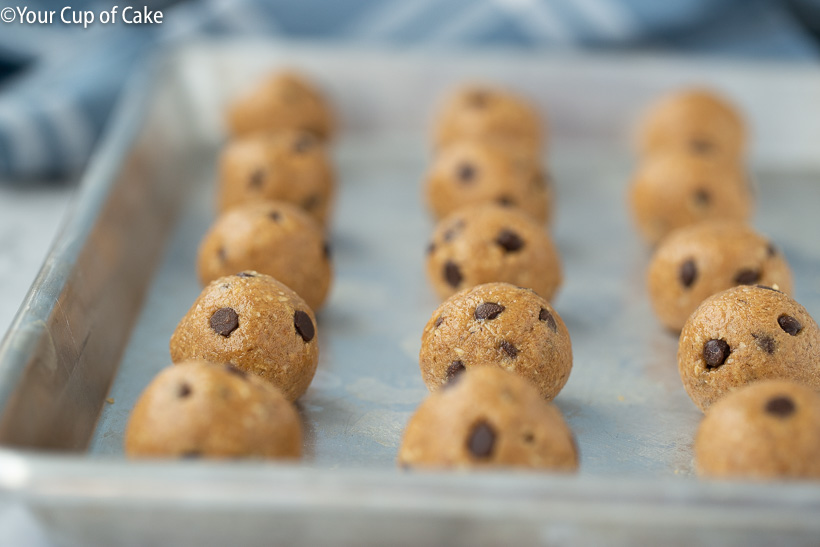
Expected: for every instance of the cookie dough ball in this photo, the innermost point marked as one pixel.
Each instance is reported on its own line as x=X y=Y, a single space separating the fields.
x=273 y=238
x=694 y=121
x=290 y=166
x=745 y=334
x=488 y=417
x=472 y=172
x=674 y=190
x=485 y=243
x=282 y=101
x=256 y=323
x=199 y=409
x=498 y=323
x=695 y=262
x=767 y=430
x=487 y=113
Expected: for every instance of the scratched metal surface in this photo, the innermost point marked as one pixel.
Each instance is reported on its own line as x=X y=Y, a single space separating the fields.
x=624 y=399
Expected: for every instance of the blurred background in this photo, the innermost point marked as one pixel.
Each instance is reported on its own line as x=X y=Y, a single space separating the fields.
x=59 y=82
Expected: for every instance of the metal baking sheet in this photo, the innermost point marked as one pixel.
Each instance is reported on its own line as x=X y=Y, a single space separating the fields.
x=97 y=323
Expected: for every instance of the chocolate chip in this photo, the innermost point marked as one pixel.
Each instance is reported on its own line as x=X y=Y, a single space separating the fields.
x=439 y=321
x=765 y=342
x=224 y=321
x=482 y=440
x=509 y=349
x=452 y=273
x=454 y=370
x=701 y=146
x=509 y=241
x=505 y=201
x=789 y=324
x=275 y=216
x=311 y=202
x=304 y=326
x=221 y=254
x=688 y=273
x=431 y=248
x=233 y=369
x=257 y=178
x=702 y=198
x=782 y=406
x=488 y=311
x=715 y=353
x=767 y=288
x=747 y=277
x=545 y=316
x=245 y=274
x=191 y=455
x=528 y=437
x=304 y=143
x=466 y=172
x=771 y=250
x=184 y=390
x=326 y=250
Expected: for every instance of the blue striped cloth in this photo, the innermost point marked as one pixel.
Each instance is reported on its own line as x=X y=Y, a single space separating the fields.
x=58 y=82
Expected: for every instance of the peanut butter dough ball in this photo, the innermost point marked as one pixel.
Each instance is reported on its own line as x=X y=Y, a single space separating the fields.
x=766 y=430
x=282 y=101
x=694 y=121
x=481 y=112
x=289 y=166
x=255 y=323
x=485 y=243
x=674 y=190
x=743 y=335
x=697 y=261
x=199 y=409
x=273 y=238
x=502 y=324
x=473 y=172
x=488 y=417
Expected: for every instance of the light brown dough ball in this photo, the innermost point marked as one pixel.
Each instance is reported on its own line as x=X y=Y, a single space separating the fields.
x=694 y=121
x=204 y=410
x=472 y=172
x=674 y=190
x=488 y=417
x=290 y=166
x=256 y=323
x=697 y=261
x=766 y=430
x=488 y=113
x=273 y=238
x=745 y=334
x=282 y=101
x=485 y=243
x=502 y=324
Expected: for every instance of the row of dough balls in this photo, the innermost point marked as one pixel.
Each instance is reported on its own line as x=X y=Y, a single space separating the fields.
x=748 y=355
x=248 y=346
x=495 y=352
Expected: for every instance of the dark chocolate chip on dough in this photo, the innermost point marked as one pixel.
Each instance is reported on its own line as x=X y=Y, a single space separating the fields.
x=257 y=178
x=781 y=406
x=184 y=390
x=222 y=254
x=452 y=273
x=454 y=370
x=304 y=325
x=233 y=369
x=715 y=353
x=505 y=201
x=224 y=321
x=747 y=276
x=702 y=198
x=509 y=241
x=545 y=316
x=245 y=274
x=701 y=146
x=311 y=202
x=509 y=349
x=488 y=311
x=439 y=321
x=765 y=342
x=482 y=440
x=275 y=216
x=688 y=273
x=789 y=324
x=466 y=172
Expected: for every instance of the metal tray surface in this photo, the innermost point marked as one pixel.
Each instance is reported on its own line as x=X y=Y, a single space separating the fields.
x=624 y=400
